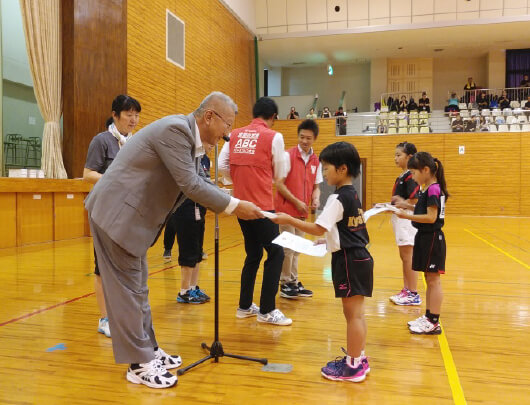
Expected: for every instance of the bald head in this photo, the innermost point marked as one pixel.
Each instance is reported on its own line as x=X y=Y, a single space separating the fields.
x=216 y=101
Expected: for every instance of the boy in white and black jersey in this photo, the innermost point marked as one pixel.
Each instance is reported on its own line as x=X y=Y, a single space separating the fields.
x=343 y=224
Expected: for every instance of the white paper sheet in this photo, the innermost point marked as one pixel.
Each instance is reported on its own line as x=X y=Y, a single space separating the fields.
x=299 y=244
x=379 y=208
x=268 y=214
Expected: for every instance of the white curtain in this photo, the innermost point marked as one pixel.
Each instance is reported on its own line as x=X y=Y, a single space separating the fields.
x=42 y=28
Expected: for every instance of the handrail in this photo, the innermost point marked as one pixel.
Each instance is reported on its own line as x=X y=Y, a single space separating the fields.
x=471 y=96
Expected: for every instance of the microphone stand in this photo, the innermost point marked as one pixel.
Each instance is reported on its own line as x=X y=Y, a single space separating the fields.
x=216 y=349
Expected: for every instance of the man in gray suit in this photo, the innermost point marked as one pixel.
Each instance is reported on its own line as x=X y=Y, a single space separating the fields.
x=156 y=170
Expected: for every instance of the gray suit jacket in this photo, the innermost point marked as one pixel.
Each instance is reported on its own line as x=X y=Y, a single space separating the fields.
x=151 y=176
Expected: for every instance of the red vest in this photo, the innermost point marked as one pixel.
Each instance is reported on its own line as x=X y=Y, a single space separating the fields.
x=299 y=181
x=251 y=163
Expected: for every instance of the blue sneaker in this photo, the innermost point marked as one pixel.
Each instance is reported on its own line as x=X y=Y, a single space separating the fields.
x=202 y=294
x=340 y=371
x=191 y=297
x=335 y=363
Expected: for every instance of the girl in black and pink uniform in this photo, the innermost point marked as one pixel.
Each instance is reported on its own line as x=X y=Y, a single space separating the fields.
x=429 y=251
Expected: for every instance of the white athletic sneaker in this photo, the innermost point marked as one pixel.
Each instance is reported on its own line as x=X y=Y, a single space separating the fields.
x=246 y=313
x=152 y=374
x=417 y=320
x=275 y=317
x=168 y=361
x=408 y=299
x=426 y=327
x=103 y=327
x=400 y=294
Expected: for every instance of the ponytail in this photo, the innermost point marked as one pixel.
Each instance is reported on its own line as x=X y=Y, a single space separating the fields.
x=441 y=177
x=424 y=159
x=109 y=121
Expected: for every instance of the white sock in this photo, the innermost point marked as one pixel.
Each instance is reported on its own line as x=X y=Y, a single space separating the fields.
x=362 y=353
x=192 y=287
x=183 y=291
x=353 y=362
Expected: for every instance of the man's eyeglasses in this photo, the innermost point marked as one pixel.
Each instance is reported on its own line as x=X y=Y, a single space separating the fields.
x=228 y=126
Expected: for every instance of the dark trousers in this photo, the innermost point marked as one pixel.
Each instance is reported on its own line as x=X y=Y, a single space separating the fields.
x=258 y=234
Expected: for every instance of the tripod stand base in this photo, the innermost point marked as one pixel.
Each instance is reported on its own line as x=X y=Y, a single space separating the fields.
x=216 y=351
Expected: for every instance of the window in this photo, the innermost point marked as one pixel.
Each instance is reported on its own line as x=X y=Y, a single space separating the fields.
x=175 y=40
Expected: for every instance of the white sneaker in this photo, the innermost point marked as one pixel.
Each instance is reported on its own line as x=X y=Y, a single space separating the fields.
x=152 y=374
x=103 y=327
x=426 y=327
x=417 y=320
x=246 y=313
x=275 y=317
x=408 y=299
x=168 y=361
x=400 y=294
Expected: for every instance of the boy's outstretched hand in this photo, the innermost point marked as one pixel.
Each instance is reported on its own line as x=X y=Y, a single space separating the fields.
x=282 y=218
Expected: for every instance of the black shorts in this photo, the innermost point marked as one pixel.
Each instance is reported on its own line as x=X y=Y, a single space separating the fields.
x=352 y=271
x=429 y=252
x=190 y=237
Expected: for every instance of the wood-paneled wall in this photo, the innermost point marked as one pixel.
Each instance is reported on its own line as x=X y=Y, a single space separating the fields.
x=491 y=178
x=219 y=56
x=94 y=72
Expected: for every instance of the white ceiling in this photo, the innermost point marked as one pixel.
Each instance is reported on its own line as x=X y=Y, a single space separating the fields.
x=465 y=40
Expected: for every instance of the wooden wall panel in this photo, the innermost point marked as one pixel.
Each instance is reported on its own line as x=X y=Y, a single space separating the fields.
x=34 y=218
x=483 y=181
x=479 y=171
x=8 y=215
x=219 y=56
x=94 y=72
x=69 y=215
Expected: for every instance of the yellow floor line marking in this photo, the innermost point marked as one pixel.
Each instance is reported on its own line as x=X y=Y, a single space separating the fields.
x=450 y=368
x=515 y=259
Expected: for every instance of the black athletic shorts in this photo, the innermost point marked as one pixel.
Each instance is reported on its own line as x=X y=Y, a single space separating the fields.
x=352 y=271
x=190 y=236
x=429 y=252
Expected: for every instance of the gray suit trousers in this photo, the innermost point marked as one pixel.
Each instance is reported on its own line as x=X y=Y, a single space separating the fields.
x=124 y=280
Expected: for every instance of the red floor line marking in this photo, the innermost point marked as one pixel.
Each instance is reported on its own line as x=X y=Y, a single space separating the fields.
x=86 y=295
x=45 y=309
x=64 y=303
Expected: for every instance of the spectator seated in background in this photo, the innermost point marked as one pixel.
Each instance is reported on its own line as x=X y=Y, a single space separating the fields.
x=424 y=103
x=293 y=114
x=469 y=125
x=452 y=103
x=504 y=101
x=482 y=100
x=381 y=129
x=494 y=102
x=403 y=104
x=311 y=115
x=457 y=125
x=483 y=124
x=326 y=113
x=412 y=106
x=527 y=104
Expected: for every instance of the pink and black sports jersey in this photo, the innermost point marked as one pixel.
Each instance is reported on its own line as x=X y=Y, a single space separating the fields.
x=430 y=197
x=406 y=187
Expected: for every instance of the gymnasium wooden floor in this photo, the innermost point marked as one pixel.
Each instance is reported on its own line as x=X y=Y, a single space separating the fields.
x=50 y=352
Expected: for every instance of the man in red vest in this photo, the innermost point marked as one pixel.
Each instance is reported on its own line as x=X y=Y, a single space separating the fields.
x=297 y=194
x=253 y=159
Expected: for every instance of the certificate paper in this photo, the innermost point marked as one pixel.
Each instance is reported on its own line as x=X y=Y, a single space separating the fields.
x=379 y=208
x=299 y=244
